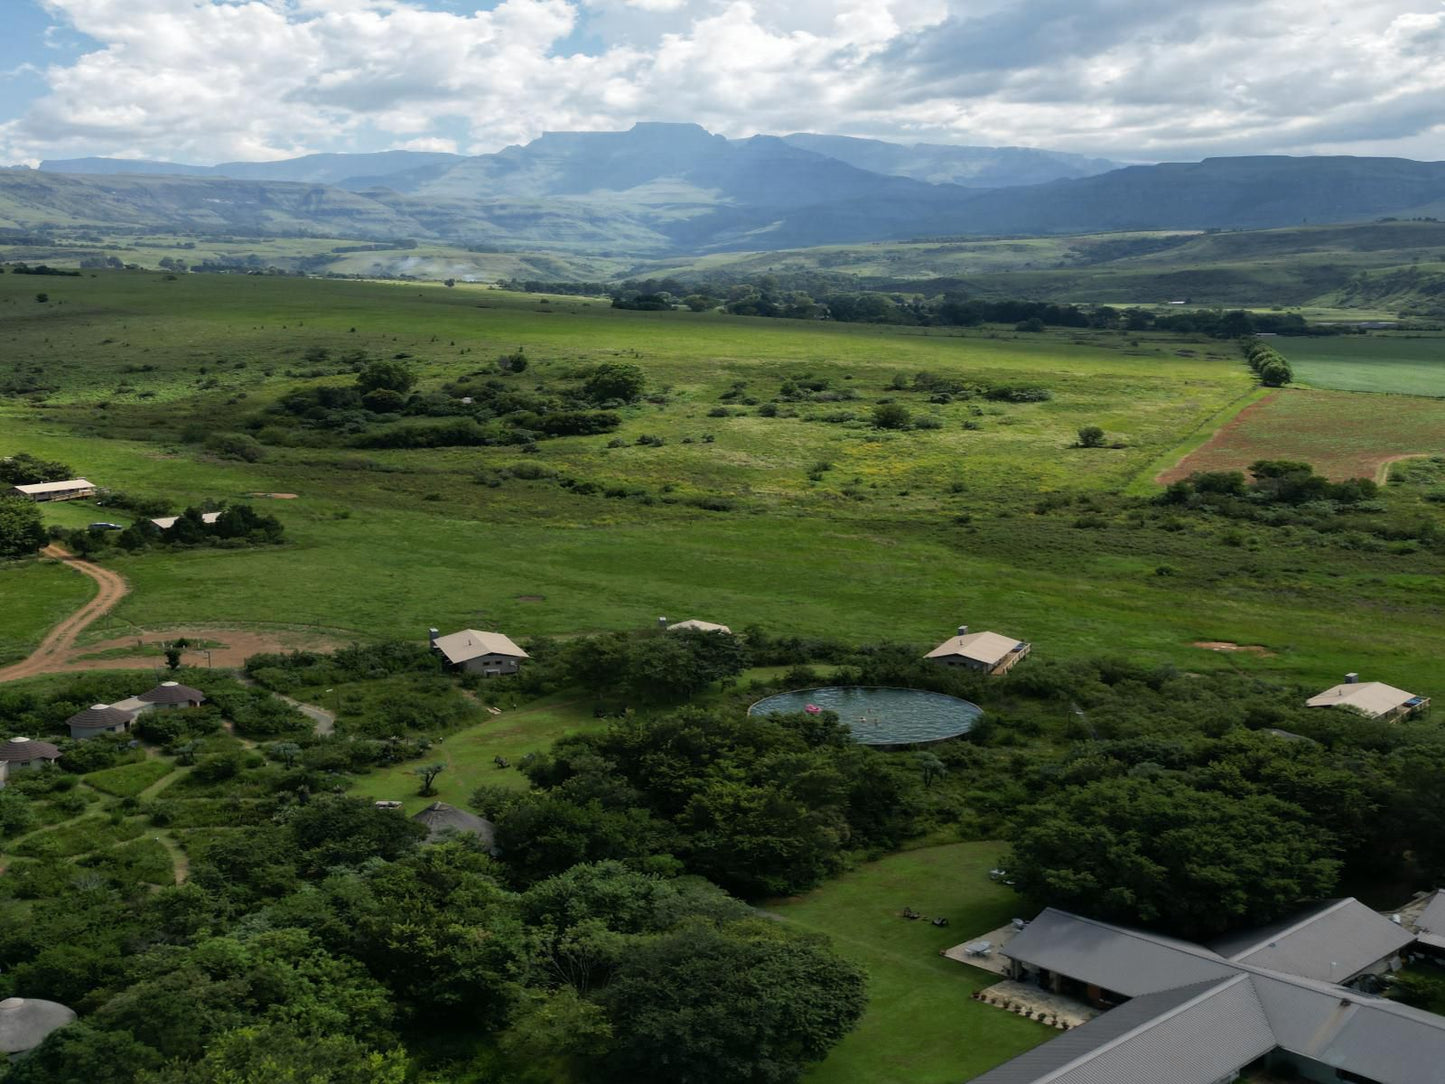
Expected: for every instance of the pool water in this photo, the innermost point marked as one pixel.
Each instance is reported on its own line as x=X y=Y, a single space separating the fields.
x=882 y=716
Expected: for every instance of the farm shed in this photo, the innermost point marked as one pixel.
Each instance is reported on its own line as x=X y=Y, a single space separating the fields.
x=989 y=652
x=486 y=653
x=699 y=626
x=70 y=490
x=26 y=1021
x=99 y=719
x=1372 y=699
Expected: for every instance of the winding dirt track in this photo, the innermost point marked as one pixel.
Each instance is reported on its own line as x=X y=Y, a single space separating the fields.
x=60 y=640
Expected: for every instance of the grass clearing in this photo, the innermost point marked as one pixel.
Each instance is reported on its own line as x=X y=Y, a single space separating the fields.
x=37 y=595
x=921 y=1026
x=1344 y=434
x=1405 y=364
x=129 y=780
x=469 y=754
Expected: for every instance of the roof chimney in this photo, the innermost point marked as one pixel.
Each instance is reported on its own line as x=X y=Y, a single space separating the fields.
x=432 y=635
x=963 y=630
x=1352 y=679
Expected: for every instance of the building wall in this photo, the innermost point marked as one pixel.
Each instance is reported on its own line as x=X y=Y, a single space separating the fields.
x=492 y=665
x=959 y=660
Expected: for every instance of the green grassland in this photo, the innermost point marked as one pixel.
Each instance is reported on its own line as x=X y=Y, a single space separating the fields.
x=36 y=595
x=905 y=534
x=921 y=1026
x=1388 y=362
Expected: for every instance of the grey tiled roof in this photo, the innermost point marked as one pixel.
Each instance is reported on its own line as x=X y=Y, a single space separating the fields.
x=1432 y=918
x=1129 y=962
x=1333 y=942
x=1195 y=1034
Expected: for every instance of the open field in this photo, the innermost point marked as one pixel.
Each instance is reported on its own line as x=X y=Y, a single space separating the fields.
x=902 y=536
x=468 y=754
x=36 y=594
x=1345 y=435
x=1404 y=364
x=921 y=1026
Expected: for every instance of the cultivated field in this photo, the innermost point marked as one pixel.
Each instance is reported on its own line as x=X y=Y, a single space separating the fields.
x=1404 y=364
x=1344 y=435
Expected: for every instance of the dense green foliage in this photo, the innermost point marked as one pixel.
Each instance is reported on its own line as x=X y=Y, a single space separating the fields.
x=22 y=531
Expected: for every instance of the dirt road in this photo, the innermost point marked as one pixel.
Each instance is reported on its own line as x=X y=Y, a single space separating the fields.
x=60 y=640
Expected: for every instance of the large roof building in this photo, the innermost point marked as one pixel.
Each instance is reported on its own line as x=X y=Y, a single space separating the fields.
x=1373 y=699
x=1191 y=1014
x=988 y=651
x=488 y=653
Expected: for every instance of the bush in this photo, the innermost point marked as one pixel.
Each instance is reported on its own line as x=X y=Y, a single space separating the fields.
x=1091 y=436
x=891 y=416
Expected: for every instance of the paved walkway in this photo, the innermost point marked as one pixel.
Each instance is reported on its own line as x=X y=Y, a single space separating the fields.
x=994 y=962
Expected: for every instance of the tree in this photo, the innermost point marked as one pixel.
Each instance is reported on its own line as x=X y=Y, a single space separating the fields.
x=891 y=416
x=930 y=767
x=614 y=380
x=394 y=375
x=1276 y=374
x=173 y=657
x=1158 y=851
x=23 y=469
x=22 y=530
x=428 y=775
x=748 y=1004
x=1091 y=436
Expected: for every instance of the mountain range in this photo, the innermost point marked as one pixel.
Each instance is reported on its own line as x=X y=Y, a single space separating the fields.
x=667 y=189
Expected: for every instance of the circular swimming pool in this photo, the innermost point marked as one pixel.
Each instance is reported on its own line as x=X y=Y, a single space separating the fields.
x=881 y=716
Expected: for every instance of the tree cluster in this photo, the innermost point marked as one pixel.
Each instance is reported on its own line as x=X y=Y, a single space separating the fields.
x=1268 y=364
x=237 y=525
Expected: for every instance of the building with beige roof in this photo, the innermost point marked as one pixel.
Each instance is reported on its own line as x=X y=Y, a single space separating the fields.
x=486 y=653
x=991 y=652
x=69 y=490
x=698 y=626
x=1372 y=699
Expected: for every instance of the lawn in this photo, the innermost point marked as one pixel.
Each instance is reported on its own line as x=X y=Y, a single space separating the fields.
x=36 y=594
x=129 y=780
x=1344 y=434
x=921 y=1026
x=1412 y=364
x=469 y=753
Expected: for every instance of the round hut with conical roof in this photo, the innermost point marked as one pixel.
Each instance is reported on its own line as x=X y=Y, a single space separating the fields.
x=98 y=719
x=172 y=694
x=26 y=1021
x=440 y=819
x=19 y=753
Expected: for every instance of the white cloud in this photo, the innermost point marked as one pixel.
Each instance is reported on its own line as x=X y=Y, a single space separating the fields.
x=209 y=80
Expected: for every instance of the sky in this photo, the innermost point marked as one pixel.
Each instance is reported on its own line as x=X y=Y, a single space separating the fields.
x=206 y=81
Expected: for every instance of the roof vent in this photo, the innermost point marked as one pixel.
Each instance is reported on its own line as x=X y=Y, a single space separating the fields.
x=99 y=707
x=12 y=1003
x=18 y=740
x=169 y=684
x=1352 y=679
x=963 y=630
x=432 y=634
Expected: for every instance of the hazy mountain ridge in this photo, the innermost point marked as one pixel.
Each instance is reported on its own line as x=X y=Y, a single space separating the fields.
x=669 y=189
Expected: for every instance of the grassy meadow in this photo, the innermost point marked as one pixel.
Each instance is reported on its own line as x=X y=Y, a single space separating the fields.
x=835 y=528
x=921 y=1026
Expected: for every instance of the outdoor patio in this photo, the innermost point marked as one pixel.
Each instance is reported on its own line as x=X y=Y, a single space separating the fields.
x=1032 y=999
x=988 y=960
